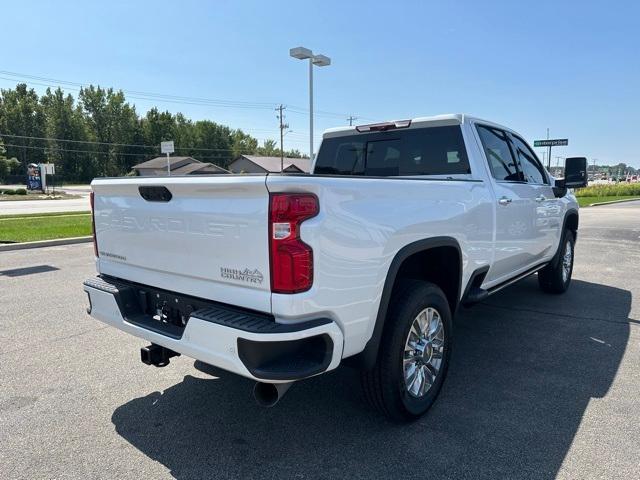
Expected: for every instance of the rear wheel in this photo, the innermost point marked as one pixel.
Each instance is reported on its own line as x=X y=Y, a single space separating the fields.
x=414 y=353
x=556 y=279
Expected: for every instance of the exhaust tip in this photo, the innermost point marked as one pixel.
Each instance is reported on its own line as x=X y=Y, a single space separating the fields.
x=268 y=394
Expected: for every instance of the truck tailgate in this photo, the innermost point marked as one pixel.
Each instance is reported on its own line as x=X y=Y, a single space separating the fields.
x=209 y=240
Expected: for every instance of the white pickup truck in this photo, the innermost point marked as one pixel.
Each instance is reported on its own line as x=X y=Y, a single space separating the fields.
x=364 y=261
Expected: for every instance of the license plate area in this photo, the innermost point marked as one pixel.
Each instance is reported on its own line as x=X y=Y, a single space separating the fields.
x=164 y=312
x=168 y=313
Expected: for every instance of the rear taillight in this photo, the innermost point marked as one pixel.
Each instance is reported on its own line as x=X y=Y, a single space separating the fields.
x=291 y=258
x=93 y=225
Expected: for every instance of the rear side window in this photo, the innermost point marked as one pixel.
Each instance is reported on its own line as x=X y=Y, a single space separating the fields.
x=496 y=148
x=383 y=158
x=421 y=151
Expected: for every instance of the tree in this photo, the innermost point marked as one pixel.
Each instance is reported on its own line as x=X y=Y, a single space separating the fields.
x=110 y=119
x=8 y=166
x=213 y=142
x=293 y=154
x=21 y=114
x=64 y=121
x=100 y=133
x=268 y=149
x=242 y=143
x=157 y=127
x=184 y=134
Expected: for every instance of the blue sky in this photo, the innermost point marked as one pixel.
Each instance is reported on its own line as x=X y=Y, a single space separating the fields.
x=572 y=67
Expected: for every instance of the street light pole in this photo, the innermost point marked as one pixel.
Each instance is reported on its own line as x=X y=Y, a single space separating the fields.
x=302 y=53
x=311 y=108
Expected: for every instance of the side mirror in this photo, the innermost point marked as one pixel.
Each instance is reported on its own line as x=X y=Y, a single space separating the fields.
x=575 y=172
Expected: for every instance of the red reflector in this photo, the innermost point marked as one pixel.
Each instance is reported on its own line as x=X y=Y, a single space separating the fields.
x=291 y=258
x=93 y=225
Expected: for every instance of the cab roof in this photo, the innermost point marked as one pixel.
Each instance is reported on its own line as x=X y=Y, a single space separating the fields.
x=418 y=122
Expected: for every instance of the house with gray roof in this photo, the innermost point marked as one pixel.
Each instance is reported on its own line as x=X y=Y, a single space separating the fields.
x=178 y=166
x=257 y=164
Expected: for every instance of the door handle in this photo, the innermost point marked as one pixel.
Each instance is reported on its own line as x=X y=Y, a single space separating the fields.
x=540 y=198
x=504 y=200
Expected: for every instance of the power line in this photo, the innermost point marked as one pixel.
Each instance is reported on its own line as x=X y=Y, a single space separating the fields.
x=112 y=144
x=78 y=141
x=75 y=151
x=222 y=102
x=322 y=113
x=163 y=97
x=161 y=100
x=94 y=152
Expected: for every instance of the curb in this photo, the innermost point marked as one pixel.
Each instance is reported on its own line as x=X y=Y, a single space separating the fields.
x=44 y=243
x=614 y=201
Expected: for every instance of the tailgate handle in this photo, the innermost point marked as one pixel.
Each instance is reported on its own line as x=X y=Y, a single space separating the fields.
x=155 y=193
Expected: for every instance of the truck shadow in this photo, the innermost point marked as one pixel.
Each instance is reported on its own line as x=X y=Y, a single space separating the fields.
x=524 y=368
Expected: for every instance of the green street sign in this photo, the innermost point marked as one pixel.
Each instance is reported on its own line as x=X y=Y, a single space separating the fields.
x=562 y=142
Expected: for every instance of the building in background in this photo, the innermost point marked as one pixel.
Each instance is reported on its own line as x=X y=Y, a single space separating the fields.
x=178 y=166
x=256 y=164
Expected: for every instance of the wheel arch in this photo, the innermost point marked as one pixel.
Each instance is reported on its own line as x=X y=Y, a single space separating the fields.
x=433 y=252
x=570 y=222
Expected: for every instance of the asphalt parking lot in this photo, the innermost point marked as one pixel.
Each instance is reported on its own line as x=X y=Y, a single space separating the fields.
x=539 y=387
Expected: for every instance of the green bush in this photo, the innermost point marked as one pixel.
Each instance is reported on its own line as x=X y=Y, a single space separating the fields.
x=609 y=190
x=9 y=191
x=7 y=165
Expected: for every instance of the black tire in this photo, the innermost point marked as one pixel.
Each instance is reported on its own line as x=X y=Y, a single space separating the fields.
x=551 y=278
x=384 y=385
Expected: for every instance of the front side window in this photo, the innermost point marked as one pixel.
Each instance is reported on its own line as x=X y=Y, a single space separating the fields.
x=496 y=148
x=528 y=162
x=417 y=151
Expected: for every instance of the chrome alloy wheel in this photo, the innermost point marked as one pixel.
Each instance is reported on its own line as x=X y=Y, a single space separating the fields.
x=423 y=352
x=567 y=260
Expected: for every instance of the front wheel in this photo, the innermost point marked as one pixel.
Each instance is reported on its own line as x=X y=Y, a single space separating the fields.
x=414 y=353
x=556 y=279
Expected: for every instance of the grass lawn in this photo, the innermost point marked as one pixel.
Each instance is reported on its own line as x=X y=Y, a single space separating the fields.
x=40 y=226
x=584 y=201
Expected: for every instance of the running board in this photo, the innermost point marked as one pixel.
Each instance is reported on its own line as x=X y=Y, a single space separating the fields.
x=477 y=294
x=515 y=279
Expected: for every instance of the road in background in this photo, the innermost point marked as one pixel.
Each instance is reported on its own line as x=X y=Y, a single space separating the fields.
x=27 y=207
x=540 y=386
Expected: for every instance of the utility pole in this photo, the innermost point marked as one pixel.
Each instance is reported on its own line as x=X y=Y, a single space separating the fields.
x=351 y=119
x=283 y=126
x=557 y=163
x=549 y=154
